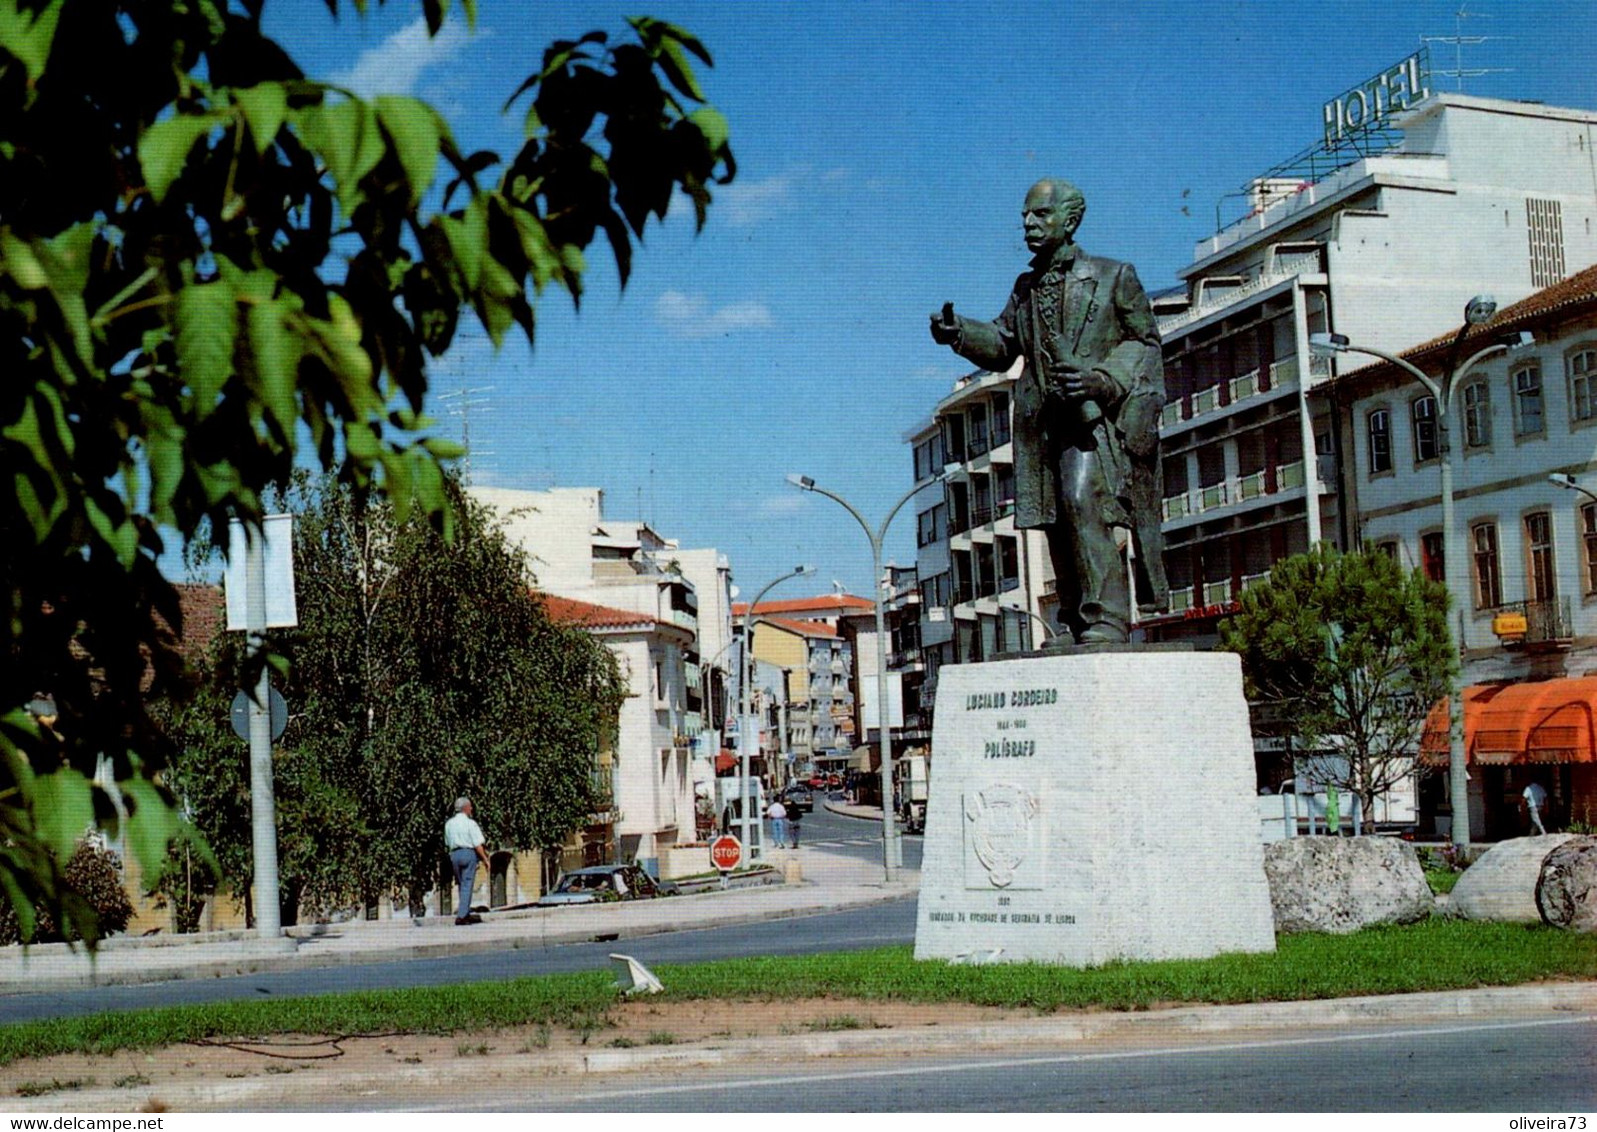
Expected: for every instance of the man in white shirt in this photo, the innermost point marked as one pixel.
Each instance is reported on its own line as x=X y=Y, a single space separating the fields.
x=778 y=815
x=463 y=838
x=1535 y=802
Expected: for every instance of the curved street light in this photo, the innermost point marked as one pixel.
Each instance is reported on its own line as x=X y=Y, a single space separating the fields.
x=892 y=852
x=747 y=732
x=1479 y=311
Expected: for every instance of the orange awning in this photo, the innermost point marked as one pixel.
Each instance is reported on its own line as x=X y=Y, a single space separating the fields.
x=725 y=761
x=1547 y=721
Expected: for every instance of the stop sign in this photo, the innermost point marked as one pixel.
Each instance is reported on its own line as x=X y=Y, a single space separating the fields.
x=725 y=852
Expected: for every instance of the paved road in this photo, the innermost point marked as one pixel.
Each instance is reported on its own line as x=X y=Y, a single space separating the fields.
x=1536 y=1065
x=854 y=837
x=852 y=930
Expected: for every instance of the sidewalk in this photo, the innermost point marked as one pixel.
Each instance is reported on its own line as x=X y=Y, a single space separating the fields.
x=848 y=810
x=831 y=881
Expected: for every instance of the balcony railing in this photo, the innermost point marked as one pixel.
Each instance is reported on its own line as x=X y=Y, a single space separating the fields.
x=980 y=516
x=1547 y=623
x=1181 y=600
x=1217 y=593
x=1252 y=384
x=1254 y=485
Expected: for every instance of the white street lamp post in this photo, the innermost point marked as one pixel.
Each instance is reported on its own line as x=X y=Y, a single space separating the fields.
x=1479 y=311
x=892 y=854
x=747 y=732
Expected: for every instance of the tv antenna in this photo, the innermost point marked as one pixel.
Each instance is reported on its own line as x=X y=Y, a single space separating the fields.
x=1460 y=41
x=460 y=404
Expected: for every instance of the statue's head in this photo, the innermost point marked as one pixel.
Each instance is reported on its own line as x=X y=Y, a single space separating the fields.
x=1051 y=214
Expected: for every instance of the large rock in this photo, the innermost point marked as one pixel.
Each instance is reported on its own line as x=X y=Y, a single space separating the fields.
x=1342 y=884
x=1501 y=886
x=1567 y=894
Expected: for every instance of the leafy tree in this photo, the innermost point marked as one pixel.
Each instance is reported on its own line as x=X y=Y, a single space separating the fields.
x=421 y=669
x=1352 y=651
x=210 y=260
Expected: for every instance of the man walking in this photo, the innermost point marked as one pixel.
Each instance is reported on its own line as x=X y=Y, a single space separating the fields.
x=463 y=838
x=778 y=815
x=1536 y=801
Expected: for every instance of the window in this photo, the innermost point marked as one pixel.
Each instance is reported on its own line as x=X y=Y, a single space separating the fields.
x=1388 y=547
x=1544 y=221
x=1528 y=416
x=1477 y=415
x=1588 y=530
x=1432 y=560
x=1423 y=411
x=1380 y=442
x=1000 y=419
x=1582 y=365
x=1540 y=580
x=1488 y=577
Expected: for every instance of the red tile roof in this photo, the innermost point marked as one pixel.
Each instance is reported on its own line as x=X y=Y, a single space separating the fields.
x=803 y=628
x=1568 y=295
x=586 y=615
x=828 y=603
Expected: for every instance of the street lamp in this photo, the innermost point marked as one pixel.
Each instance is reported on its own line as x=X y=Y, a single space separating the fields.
x=746 y=729
x=1564 y=479
x=1479 y=311
x=892 y=854
x=1047 y=629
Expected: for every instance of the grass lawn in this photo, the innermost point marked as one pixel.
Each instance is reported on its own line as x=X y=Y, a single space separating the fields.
x=1437 y=954
x=1442 y=880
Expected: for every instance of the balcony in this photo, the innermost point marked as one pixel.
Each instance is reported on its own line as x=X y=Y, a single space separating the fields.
x=1217 y=593
x=980 y=516
x=1244 y=489
x=1237 y=391
x=1548 y=625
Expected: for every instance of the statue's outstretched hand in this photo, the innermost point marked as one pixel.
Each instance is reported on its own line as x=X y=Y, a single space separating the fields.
x=945 y=326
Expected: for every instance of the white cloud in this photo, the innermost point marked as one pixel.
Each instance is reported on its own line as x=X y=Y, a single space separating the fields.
x=395 y=65
x=691 y=316
x=750 y=202
x=780 y=506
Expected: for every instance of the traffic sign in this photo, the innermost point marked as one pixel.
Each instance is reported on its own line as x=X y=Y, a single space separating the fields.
x=726 y=852
x=240 y=714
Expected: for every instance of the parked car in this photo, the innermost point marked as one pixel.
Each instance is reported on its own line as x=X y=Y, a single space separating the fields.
x=602 y=883
x=799 y=795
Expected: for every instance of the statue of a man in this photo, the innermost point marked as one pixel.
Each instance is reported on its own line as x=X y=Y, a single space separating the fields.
x=1086 y=414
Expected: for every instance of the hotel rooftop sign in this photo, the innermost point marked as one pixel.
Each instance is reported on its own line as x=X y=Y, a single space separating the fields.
x=1367 y=106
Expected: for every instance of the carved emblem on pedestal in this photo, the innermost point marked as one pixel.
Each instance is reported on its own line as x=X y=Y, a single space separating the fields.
x=1001 y=830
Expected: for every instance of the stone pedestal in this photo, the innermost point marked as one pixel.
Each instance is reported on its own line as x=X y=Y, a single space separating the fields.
x=1093 y=806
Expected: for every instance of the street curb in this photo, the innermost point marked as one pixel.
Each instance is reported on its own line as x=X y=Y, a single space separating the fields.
x=1320 y=1014
x=269 y=963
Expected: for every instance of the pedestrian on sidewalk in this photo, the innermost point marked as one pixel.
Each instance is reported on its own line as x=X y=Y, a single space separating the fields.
x=1536 y=801
x=463 y=838
x=777 y=813
x=793 y=820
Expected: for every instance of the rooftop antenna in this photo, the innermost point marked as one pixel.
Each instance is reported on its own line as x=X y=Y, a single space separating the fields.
x=1460 y=41
x=465 y=400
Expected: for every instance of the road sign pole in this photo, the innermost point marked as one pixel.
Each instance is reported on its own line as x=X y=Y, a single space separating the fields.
x=263 y=809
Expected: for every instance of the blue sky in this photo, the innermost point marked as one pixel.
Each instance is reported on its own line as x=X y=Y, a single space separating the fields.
x=883 y=152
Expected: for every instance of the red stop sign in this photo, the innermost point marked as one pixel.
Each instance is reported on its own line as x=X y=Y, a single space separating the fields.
x=725 y=852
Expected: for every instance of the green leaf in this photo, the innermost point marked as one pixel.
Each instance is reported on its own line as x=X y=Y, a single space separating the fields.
x=677 y=68
x=163 y=446
x=164 y=149
x=443 y=449
x=29 y=34
x=535 y=245
x=264 y=107
x=467 y=247
x=713 y=125
x=122 y=538
x=207 y=328
x=63 y=810
x=21 y=263
x=415 y=131
x=346 y=136
x=277 y=354
x=151 y=825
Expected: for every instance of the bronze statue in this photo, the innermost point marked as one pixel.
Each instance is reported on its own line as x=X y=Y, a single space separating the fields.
x=1086 y=414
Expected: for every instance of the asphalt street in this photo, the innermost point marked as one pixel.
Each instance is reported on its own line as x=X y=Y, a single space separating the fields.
x=850 y=930
x=1534 y=1065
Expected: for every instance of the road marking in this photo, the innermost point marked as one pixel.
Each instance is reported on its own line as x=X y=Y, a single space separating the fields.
x=1061 y=1059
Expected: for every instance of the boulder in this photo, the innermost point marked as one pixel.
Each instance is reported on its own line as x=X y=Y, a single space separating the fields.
x=1342 y=884
x=1501 y=885
x=1567 y=894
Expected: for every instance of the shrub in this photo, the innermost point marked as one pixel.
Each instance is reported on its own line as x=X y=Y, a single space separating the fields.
x=94 y=875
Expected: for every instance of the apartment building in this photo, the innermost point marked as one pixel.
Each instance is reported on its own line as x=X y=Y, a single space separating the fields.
x=1526 y=611
x=1381 y=234
x=648 y=605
